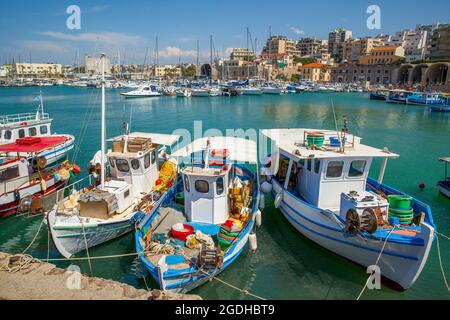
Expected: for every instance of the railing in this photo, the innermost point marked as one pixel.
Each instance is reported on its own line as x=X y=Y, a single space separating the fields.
x=53 y=198
x=21 y=117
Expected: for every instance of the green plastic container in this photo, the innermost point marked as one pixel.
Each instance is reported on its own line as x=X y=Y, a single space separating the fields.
x=399 y=202
x=223 y=244
x=401 y=213
x=315 y=139
x=179 y=198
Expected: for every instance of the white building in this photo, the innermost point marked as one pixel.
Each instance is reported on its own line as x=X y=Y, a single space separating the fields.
x=93 y=65
x=415 y=43
x=38 y=70
x=336 y=39
x=4 y=72
x=242 y=54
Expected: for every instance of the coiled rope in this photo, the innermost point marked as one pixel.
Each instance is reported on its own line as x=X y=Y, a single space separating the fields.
x=17 y=263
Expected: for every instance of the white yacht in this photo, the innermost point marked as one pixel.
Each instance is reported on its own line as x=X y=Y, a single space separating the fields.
x=143 y=92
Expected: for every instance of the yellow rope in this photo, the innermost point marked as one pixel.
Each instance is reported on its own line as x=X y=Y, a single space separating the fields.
x=24 y=262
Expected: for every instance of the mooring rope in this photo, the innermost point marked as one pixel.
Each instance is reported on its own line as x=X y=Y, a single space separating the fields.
x=35 y=237
x=87 y=249
x=376 y=263
x=440 y=261
x=23 y=262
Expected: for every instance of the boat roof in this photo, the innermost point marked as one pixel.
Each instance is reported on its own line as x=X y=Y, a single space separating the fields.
x=34 y=144
x=240 y=149
x=445 y=159
x=293 y=142
x=157 y=138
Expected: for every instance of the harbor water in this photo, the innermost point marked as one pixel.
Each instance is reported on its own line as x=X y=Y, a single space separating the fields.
x=286 y=264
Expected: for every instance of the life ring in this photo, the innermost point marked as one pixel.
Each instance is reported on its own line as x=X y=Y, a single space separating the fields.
x=278 y=199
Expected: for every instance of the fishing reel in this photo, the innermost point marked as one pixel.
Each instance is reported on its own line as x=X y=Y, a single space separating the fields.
x=358 y=222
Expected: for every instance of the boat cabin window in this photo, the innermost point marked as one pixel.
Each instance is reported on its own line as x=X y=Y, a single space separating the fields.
x=186 y=183
x=7 y=135
x=135 y=164
x=201 y=186
x=334 y=169
x=32 y=131
x=302 y=163
x=21 y=133
x=9 y=173
x=316 y=165
x=219 y=186
x=153 y=156
x=309 y=164
x=43 y=129
x=111 y=162
x=357 y=168
x=122 y=165
x=147 y=160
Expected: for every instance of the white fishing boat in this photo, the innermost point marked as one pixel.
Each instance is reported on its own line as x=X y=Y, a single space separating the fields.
x=29 y=135
x=321 y=184
x=215 y=92
x=184 y=248
x=251 y=91
x=184 y=93
x=269 y=89
x=139 y=181
x=200 y=92
x=143 y=92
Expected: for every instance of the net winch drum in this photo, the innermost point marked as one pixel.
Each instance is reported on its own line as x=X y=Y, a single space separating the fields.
x=363 y=211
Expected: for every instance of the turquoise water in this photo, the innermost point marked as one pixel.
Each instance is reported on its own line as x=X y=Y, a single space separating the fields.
x=286 y=265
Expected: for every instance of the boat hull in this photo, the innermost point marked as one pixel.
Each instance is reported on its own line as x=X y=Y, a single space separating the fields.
x=444 y=189
x=400 y=262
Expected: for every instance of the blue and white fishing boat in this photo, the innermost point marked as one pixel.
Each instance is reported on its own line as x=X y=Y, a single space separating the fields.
x=321 y=184
x=377 y=95
x=398 y=96
x=441 y=107
x=185 y=246
x=444 y=185
x=421 y=98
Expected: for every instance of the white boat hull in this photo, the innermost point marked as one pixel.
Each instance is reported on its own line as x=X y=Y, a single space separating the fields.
x=271 y=90
x=401 y=263
x=444 y=191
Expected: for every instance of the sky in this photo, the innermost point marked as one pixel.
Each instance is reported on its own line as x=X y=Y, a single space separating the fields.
x=38 y=29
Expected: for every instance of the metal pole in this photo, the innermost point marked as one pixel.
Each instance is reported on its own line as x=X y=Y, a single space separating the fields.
x=382 y=170
x=103 y=56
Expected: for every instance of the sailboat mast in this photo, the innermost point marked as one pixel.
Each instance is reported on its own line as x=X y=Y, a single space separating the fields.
x=211 y=59
x=103 y=56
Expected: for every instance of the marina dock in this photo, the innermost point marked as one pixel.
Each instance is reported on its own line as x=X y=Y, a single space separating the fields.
x=36 y=280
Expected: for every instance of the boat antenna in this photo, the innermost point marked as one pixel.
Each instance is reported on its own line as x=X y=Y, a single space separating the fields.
x=103 y=57
x=344 y=132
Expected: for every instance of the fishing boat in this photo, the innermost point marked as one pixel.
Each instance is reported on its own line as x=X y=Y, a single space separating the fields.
x=199 y=92
x=444 y=185
x=184 y=246
x=270 y=89
x=377 y=95
x=420 y=98
x=143 y=92
x=321 y=184
x=139 y=181
x=251 y=91
x=24 y=183
x=183 y=93
x=441 y=107
x=398 y=96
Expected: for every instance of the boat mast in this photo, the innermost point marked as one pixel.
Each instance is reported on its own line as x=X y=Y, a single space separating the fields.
x=103 y=56
x=211 y=59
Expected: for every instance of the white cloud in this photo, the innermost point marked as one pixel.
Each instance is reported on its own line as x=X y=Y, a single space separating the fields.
x=113 y=38
x=297 y=31
x=175 y=52
x=46 y=46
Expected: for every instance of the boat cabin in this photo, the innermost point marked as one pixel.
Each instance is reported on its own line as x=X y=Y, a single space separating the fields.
x=13 y=173
x=17 y=126
x=318 y=167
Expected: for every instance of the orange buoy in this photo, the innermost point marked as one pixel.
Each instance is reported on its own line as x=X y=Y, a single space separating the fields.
x=76 y=169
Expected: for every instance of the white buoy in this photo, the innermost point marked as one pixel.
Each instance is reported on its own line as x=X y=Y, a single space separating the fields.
x=258 y=218
x=278 y=200
x=253 y=242
x=262 y=202
x=266 y=187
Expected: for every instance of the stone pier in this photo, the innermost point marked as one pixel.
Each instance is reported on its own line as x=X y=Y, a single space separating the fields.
x=36 y=280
